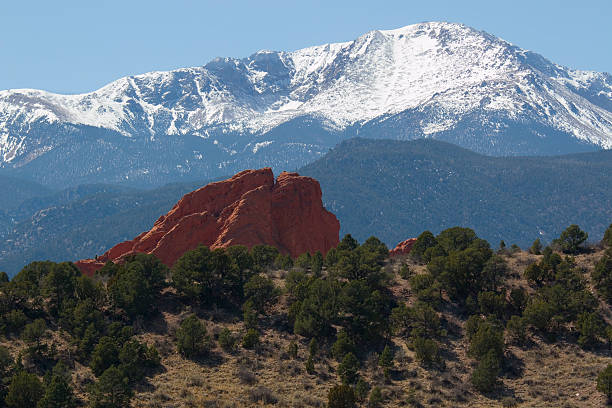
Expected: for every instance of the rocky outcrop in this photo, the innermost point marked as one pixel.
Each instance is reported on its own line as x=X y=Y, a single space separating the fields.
x=403 y=248
x=248 y=209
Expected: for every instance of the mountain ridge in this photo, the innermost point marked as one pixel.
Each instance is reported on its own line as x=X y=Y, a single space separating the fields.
x=440 y=80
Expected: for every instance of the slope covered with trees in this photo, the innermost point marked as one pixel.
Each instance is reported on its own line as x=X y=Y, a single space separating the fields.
x=396 y=189
x=455 y=323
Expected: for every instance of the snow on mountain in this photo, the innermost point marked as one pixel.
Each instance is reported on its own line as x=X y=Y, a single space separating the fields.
x=440 y=80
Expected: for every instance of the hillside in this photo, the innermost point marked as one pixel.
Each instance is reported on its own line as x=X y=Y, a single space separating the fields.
x=284 y=109
x=396 y=189
x=398 y=332
x=82 y=222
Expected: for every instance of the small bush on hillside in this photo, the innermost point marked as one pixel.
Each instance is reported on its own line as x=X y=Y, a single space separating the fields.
x=604 y=382
x=250 y=339
x=341 y=396
x=191 y=338
x=226 y=340
x=348 y=369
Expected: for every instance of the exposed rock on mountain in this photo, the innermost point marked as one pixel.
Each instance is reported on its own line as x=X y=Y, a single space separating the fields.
x=403 y=247
x=248 y=209
x=285 y=109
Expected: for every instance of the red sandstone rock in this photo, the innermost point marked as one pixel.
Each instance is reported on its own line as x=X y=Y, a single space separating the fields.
x=403 y=247
x=247 y=209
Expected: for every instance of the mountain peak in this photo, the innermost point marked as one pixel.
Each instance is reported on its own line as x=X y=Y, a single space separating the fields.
x=433 y=79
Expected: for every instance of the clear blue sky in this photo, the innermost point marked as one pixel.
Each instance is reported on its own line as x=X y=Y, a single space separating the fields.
x=79 y=45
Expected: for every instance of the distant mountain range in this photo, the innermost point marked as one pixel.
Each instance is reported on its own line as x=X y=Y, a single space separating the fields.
x=391 y=189
x=285 y=109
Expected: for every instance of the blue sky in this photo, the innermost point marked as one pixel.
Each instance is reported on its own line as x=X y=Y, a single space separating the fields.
x=78 y=46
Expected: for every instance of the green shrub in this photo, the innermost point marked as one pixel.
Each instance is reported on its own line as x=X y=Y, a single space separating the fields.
x=191 y=338
x=261 y=291
x=310 y=367
x=376 y=398
x=571 y=239
x=487 y=339
x=135 y=285
x=362 y=388
x=112 y=390
x=58 y=393
x=292 y=350
x=517 y=329
x=343 y=345
x=250 y=339
x=590 y=326
x=607 y=238
x=24 y=391
x=604 y=382
x=405 y=272
x=104 y=355
x=602 y=276
x=250 y=315
x=484 y=377
x=348 y=369
x=386 y=358
x=426 y=350
x=226 y=340
x=536 y=247
x=341 y=396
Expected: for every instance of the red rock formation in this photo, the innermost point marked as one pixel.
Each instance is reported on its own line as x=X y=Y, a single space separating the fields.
x=403 y=247
x=247 y=209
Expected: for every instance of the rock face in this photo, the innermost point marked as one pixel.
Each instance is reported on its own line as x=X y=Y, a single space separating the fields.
x=403 y=247
x=248 y=209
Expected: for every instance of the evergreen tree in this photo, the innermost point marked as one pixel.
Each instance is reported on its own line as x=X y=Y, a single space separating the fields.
x=571 y=239
x=191 y=338
x=604 y=382
x=112 y=390
x=24 y=391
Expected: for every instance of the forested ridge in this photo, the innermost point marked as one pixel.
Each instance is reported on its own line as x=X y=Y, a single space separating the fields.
x=454 y=323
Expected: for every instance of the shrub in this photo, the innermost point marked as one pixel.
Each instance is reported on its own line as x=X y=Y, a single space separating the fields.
x=590 y=326
x=293 y=350
x=405 y=272
x=602 y=276
x=424 y=241
x=536 y=247
x=361 y=389
x=5 y=361
x=571 y=239
x=517 y=330
x=309 y=365
x=135 y=285
x=226 y=340
x=250 y=339
x=24 y=391
x=249 y=315
x=261 y=291
x=136 y=358
x=484 y=377
x=104 y=355
x=607 y=238
x=58 y=393
x=488 y=340
x=191 y=338
x=376 y=398
x=341 y=396
x=348 y=369
x=426 y=350
x=343 y=345
x=386 y=358
x=604 y=382
x=112 y=390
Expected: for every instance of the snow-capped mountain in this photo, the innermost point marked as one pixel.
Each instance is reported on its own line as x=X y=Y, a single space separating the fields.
x=284 y=109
